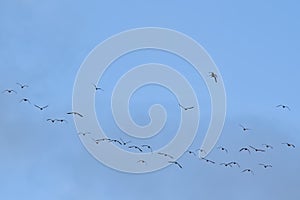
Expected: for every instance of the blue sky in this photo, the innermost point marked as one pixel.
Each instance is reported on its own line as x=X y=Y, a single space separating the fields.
x=254 y=44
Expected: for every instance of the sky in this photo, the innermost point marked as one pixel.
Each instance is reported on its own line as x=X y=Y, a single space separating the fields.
x=255 y=46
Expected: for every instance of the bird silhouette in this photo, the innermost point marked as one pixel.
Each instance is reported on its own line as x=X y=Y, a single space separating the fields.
x=115 y=141
x=223 y=149
x=267 y=146
x=186 y=108
x=244 y=128
x=147 y=146
x=176 y=163
x=75 y=113
x=248 y=170
x=25 y=100
x=135 y=147
x=61 y=120
x=51 y=120
x=9 y=91
x=265 y=166
x=208 y=161
x=235 y=163
x=97 y=141
x=165 y=154
x=142 y=162
x=191 y=152
x=22 y=86
x=124 y=143
x=257 y=150
x=41 y=107
x=84 y=133
x=289 y=144
x=244 y=149
x=226 y=164
x=97 y=88
x=214 y=76
x=283 y=106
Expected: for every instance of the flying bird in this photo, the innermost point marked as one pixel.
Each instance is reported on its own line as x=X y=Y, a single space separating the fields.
x=186 y=108
x=214 y=76
x=115 y=141
x=208 y=161
x=84 y=133
x=24 y=100
x=289 y=144
x=223 y=149
x=226 y=164
x=100 y=140
x=147 y=146
x=97 y=88
x=22 y=86
x=267 y=146
x=244 y=149
x=234 y=163
x=51 y=120
x=191 y=152
x=142 y=162
x=244 y=128
x=248 y=170
x=124 y=143
x=9 y=91
x=135 y=147
x=75 y=113
x=176 y=163
x=166 y=155
x=283 y=106
x=265 y=166
x=41 y=107
x=257 y=150
x=61 y=120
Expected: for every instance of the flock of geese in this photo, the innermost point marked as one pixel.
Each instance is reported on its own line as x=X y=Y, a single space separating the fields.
x=147 y=148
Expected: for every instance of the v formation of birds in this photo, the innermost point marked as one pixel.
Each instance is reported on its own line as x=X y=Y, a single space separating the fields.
x=147 y=148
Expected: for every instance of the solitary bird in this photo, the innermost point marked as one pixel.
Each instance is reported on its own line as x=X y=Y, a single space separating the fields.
x=265 y=166
x=135 y=147
x=115 y=141
x=25 y=100
x=267 y=146
x=84 y=133
x=214 y=76
x=22 y=86
x=186 y=108
x=283 y=106
x=9 y=91
x=166 y=155
x=61 y=120
x=176 y=163
x=248 y=170
x=75 y=113
x=97 y=88
x=142 y=161
x=100 y=140
x=124 y=143
x=51 y=120
x=41 y=107
x=226 y=164
x=245 y=149
x=289 y=144
x=257 y=150
x=191 y=152
x=223 y=149
x=244 y=128
x=147 y=146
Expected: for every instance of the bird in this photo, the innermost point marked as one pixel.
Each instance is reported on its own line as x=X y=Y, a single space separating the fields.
x=124 y=143
x=257 y=150
x=9 y=91
x=186 y=108
x=244 y=149
x=176 y=163
x=223 y=149
x=115 y=141
x=214 y=76
x=166 y=155
x=147 y=146
x=248 y=170
x=289 y=144
x=52 y=120
x=234 y=163
x=267 y=146
x=201 y=150
x=191 y=152
x=208 y=161
x=226 y=164
x=135 y=147
x=41 y=107
x=97 y=88
x=100 y=140
x=61 y=120
x=84 y=133
x=25 y=100
x=265 y=166
x=22 y=86
x=283 y=106
x=244 y=128
x=74 y=113
x=142 y=162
